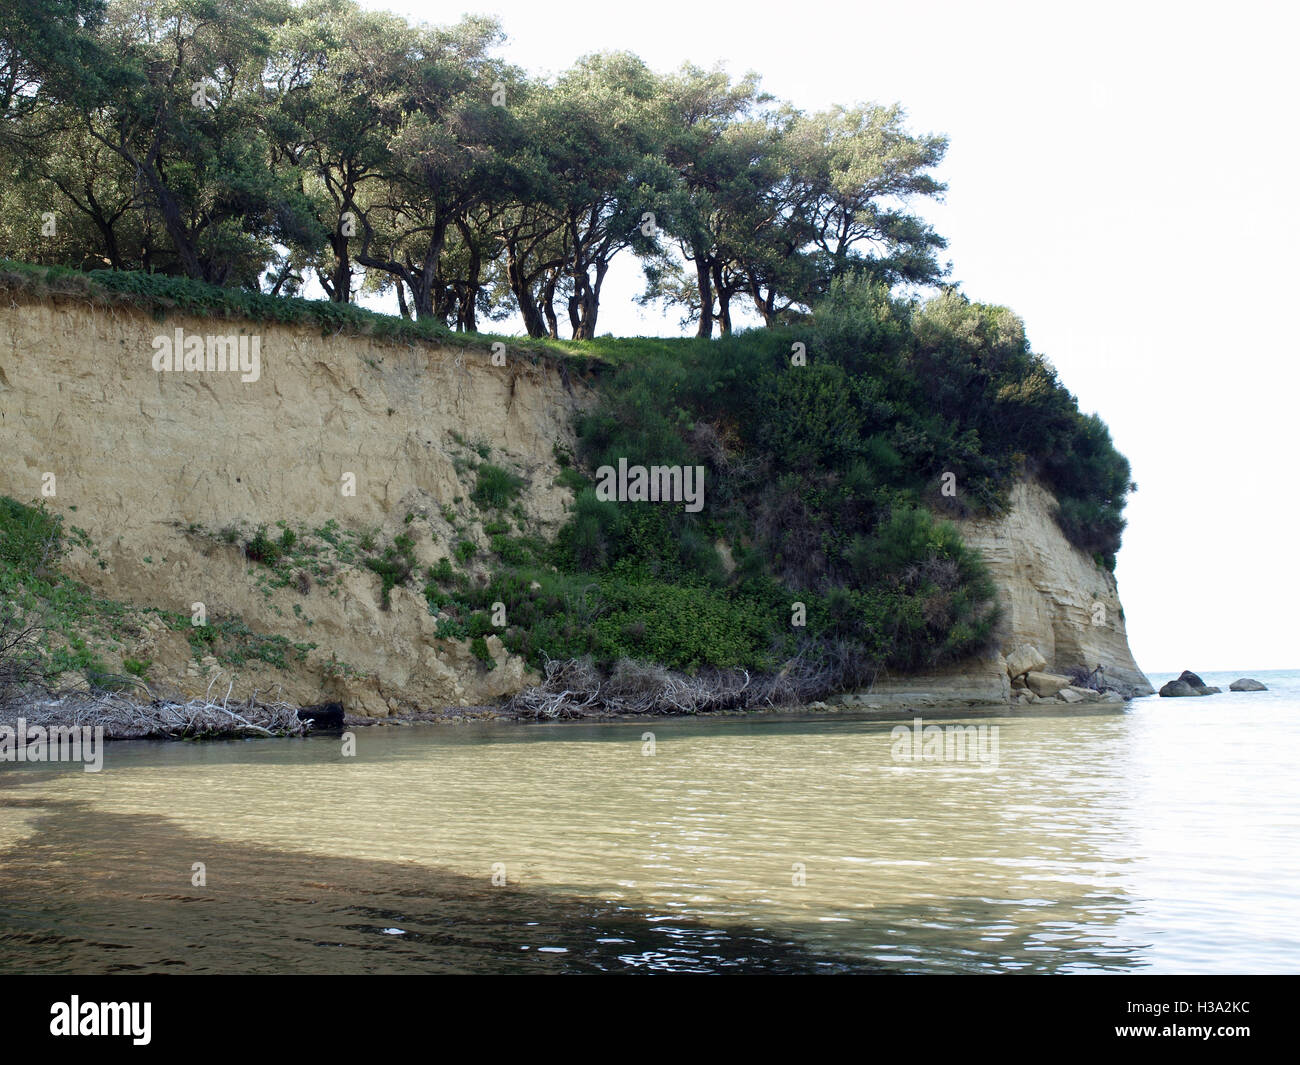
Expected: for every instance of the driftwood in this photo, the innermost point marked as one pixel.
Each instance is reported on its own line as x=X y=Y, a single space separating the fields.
x=123 y=718
x=575 y=688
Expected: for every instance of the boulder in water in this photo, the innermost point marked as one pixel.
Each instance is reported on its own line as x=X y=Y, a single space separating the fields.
x=1247 y=684
x=1188 y=683
x=1179 y=687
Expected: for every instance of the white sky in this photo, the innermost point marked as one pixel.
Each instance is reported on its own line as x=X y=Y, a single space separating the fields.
x=1122 y=175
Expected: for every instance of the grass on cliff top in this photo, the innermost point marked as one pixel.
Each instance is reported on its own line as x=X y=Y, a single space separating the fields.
x=160 y=295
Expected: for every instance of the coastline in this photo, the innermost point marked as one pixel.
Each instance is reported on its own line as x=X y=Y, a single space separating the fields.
x=278 y=720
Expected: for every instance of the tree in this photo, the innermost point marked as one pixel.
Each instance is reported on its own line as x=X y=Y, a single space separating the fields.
x=183 y=111
x=600 y=184
x=445 y=160
x=342 y=79
x=718 y=162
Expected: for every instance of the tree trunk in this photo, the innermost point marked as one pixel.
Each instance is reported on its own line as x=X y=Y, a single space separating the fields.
x=724 y=300
x=548 y=305
x=705 y=328
x=341 y=277
x=467 y=317
x=523 y=293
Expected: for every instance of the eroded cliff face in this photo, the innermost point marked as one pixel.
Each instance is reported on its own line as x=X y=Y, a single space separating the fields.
x=1053 y=597
x=152 y=465
x=141 y=459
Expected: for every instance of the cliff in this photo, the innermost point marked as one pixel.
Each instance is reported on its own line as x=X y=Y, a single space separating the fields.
x=157 y=467
x=1053 y=596
x=152 y=465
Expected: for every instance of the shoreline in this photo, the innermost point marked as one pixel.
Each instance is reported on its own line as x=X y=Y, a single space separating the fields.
x=278 y=720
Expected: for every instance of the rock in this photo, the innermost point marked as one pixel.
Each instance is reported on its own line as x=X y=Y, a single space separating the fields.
x=1247 y=684
x=1188 y=683
x=1045 y=685
x=1024 y=658
x=1087 y=695
x=1179 y=687
x=1070 y=695
x=1018 y=684
x=1049 y=589
x=322 y=715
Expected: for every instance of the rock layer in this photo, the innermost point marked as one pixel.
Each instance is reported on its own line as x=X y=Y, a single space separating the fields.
x=1054 y=597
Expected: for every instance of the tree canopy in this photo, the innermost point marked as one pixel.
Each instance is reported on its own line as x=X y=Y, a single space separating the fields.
x=262 y=144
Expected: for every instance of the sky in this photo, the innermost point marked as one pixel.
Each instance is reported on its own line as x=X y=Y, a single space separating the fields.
x=1121 y=175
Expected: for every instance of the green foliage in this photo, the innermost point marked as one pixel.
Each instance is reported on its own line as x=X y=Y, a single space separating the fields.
x=479 y=649
x=825 y=480
x=394 y=566
x=496 y=487
x=262 y=548
x=30 y=536
x=571 y=479
x=137 y=667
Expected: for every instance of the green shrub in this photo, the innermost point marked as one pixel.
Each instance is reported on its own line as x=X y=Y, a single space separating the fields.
x=572 y=479
x=30 y=536
x=394 y=566
x=137 y=667
x=479 y=649
x=495 y=487
x=262 y=549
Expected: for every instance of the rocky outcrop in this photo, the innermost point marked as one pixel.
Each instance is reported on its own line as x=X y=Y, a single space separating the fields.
x=1247 y=684
x=1060 y=615
x=1024 y=659
x=1054 y=597
x=1185 y=684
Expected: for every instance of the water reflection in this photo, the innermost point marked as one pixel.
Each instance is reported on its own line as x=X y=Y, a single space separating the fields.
x=757 y=844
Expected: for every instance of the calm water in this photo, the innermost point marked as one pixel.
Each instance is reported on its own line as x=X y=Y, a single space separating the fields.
x=1159 y=837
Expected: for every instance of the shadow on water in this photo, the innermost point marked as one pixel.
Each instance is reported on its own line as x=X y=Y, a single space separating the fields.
x=94 y=893
x=89 y=893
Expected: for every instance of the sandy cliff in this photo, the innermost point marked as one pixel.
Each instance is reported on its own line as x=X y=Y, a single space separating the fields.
x=140 y=456
x=1053 y=597
x=151 y=464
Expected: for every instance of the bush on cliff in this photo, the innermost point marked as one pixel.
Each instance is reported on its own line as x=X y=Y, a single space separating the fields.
x=827 y=483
